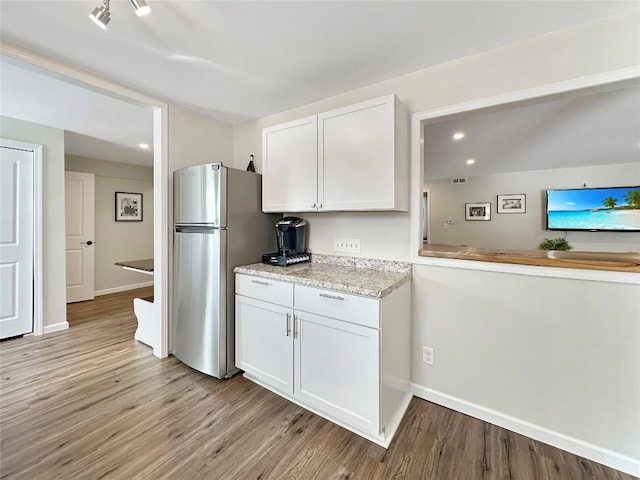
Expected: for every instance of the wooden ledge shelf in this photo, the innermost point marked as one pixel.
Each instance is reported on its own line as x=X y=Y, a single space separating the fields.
x=618 y=262
x=140 y=266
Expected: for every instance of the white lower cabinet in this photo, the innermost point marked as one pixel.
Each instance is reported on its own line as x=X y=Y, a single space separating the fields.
x=336 y=369
x=264 y=342
x=331 y=360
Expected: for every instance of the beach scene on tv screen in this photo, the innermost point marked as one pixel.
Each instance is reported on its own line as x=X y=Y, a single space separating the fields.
x=594 y=209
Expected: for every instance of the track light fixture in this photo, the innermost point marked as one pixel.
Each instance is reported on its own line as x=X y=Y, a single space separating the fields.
x=101 y=15
x=141 y=7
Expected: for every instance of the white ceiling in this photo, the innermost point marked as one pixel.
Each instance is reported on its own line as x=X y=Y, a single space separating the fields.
x=581 y=130
x=240 y=60
x=95 y=125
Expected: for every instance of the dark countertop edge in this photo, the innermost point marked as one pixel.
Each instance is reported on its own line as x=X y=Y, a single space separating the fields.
x=145 y=265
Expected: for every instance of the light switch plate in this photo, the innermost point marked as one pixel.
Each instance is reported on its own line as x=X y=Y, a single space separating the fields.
x=350 y=245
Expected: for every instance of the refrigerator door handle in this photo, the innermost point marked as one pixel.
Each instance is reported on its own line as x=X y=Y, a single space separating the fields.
x=288 y=324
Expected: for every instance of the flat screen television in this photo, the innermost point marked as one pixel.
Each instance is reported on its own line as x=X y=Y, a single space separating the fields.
x=615 y=209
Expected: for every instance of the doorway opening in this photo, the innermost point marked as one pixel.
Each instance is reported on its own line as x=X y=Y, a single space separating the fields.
x=455 y=239
x=159 y=314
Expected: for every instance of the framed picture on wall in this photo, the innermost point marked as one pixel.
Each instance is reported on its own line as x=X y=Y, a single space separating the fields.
x=477 y=211
x=512 y=203
x=128 y=207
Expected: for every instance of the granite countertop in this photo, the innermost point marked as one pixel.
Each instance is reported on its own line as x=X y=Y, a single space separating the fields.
x=370 y=278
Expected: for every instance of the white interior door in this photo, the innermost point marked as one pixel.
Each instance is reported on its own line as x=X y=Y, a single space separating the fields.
x=79 y=210
x=16 y=241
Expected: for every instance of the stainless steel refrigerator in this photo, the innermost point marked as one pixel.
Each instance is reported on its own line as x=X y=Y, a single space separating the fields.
x=218 y=225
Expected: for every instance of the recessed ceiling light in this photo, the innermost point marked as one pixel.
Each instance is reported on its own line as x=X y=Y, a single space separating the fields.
x=143 y=145
x=471 y=161
x=458 y=135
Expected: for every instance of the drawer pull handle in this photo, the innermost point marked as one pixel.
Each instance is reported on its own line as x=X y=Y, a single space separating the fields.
x=295 y=326
x=332 y=297
x=260 y=283
x=288 y=324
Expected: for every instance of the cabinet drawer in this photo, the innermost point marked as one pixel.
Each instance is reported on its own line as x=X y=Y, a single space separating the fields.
x=267 y=289
x=343 y=306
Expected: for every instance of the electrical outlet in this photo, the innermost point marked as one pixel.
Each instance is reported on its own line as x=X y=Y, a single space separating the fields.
x=351 y=245
x=427 y=355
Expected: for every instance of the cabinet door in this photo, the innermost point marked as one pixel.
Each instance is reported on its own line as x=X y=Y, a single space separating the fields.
x=264 y=342
x=337 y=365
x=356 y=156
x=290 y=166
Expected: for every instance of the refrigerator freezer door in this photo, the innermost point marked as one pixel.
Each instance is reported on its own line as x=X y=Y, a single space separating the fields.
x=200 y=195
x=199 y=320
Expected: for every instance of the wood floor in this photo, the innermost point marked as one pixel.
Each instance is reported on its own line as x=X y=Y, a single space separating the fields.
x=105 y=305
x=92 y=403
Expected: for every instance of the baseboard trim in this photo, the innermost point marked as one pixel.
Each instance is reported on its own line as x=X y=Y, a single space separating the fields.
x=123 y=288
x=56 y=327
x=573 y=445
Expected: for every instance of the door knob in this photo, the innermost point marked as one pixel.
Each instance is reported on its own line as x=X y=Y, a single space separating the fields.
x=86 y=243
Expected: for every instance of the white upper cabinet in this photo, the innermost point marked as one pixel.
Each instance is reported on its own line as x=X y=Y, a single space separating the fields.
x=290 y=166
x=357 y=157
x=362 y=160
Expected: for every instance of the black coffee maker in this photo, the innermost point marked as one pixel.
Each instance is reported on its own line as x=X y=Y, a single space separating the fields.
x=291 y=233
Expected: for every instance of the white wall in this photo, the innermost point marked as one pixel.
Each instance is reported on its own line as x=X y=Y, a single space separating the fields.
x=118 y=241
x=599 y=46
x=530 y=303
x=558 y=353
x=524 y=231
x=195 y=139
x=54 y=270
